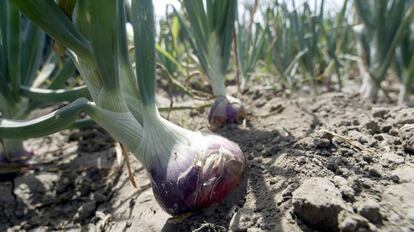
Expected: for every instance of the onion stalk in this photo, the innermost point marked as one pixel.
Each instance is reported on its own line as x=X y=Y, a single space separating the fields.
x=404 y=65
x=188 y=170
x=210 y=30
x=378 y=38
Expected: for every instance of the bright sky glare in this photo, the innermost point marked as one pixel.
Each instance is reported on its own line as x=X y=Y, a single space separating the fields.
x=160 y=5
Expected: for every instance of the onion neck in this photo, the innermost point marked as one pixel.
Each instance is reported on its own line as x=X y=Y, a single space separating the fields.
x=10 y=146
x=217 y=83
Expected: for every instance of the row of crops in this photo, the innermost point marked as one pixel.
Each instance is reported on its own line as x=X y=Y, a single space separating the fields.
x=100 y=60
x=296 y=45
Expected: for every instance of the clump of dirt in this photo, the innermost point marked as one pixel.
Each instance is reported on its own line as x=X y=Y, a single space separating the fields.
x=327 y=163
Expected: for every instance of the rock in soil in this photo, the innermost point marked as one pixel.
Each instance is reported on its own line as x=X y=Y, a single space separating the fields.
x=318 y=202
x=400 y=201
x=370 y=209
x=349 y=222
x=404 y=174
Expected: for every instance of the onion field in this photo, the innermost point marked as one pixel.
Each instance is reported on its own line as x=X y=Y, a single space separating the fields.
x=207 y=115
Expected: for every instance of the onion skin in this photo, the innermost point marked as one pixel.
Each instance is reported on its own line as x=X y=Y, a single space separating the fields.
x=226 y=110
x=204 y=177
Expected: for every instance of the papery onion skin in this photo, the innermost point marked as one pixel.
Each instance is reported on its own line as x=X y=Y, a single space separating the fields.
x=207 y=176
x=226 y=110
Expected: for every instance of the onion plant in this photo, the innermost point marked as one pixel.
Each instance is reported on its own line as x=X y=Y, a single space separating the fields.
x=382 y=27
x=31 y=74
x=304 y=43
x=308 y=27
x=168 y=46
x=282 y=55
x=188 y=170
x=337 y=33
x=210 y=31
x=404 y=64
x=250 y=41
x=249 y=46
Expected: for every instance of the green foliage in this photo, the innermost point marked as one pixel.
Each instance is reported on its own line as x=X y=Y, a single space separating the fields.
x=303 y=45
x=169 y=47
x=26 y=63
x=31 y=74
x=210 y=32
x=378 y=37
x=404 y=64
x=249 y=46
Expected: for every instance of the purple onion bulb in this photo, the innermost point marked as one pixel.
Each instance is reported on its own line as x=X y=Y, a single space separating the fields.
x=210 y=169
x=226 y=110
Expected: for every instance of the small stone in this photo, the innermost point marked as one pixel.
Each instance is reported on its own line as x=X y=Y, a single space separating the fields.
x=379 y=137
x=404 y=174
x=352 y=223
x=259 y=147
x=386 y=128
x=367 y=157
x=374 y=172
x=343 y=186
x=85 y=211
x=355 y=183
x=379 y=112
x=370 y=209
x=301 y=160
x=332 y=166
x=242 y=219
x=392 y=158
x=257 y=95
x=287 y=192
x=277 y=108
x=339 y=181
x=260 y=103
x=397 y=141
x=318 y=203
x=347 y=192
x=326 y=135
x=363 y=140
x=393 y=132
x=409 y=146
x=346 y=152
x=321 y=142
x=373 y=127
x=395 y=179
x=325 y=153
x=99 y=197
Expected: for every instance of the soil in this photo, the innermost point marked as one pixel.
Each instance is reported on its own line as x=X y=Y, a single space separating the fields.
x=327 y=163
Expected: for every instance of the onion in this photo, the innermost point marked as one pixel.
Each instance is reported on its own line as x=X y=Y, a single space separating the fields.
x=188 y=170
x=226 y=110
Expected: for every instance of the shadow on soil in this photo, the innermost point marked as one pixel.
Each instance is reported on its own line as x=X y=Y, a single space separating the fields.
x=255 y=144
x=70 y=189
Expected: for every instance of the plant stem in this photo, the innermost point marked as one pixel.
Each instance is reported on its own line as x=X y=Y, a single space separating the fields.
x=10 y=146
x=144 y=34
